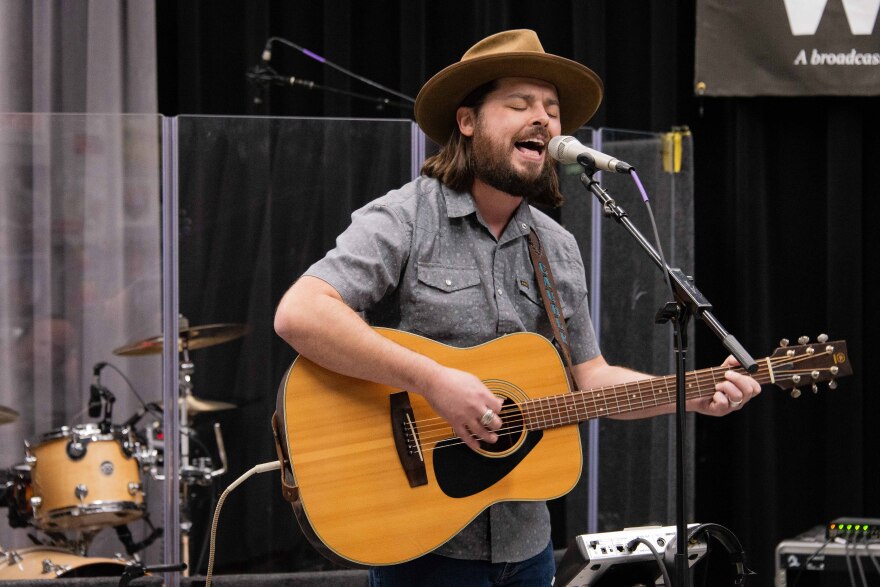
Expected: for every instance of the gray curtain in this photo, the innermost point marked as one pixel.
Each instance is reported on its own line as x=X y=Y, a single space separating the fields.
x=79 y=212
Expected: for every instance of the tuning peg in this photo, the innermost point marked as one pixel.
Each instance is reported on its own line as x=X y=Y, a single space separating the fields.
x=832 y=384
x=823 y=338
x=783 y=342
x=803 y=340
x=796 y=379
x=815 y=388
x=795 y=392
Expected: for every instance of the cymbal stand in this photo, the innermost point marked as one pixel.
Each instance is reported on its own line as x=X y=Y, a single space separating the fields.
x=202 y=472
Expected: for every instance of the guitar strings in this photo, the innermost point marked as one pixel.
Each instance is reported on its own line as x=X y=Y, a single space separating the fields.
x=432 y=431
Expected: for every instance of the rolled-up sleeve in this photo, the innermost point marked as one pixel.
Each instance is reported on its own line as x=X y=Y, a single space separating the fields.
x=369 y=256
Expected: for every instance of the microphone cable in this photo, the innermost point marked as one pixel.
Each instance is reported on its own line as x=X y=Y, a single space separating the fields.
x=631 y=546
x=262 y=468
x=807 y=562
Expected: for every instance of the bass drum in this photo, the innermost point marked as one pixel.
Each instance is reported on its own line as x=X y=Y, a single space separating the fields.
x=43 y=562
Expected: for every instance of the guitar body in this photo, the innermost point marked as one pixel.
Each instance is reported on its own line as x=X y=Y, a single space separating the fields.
x=355 y=500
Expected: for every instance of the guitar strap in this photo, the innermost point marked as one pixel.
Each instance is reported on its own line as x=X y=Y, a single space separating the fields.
x=552 y=303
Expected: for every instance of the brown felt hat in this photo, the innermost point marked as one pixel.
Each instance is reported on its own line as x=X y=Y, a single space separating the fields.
x=516 y=53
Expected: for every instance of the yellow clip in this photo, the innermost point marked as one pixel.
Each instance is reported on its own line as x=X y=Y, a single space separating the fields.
x=672 y=149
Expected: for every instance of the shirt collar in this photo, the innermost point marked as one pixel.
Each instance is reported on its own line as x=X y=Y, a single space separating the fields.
x=460 y=204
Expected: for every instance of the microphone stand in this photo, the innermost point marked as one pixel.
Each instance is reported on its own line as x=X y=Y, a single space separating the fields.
x=689 y=302
x=265 y=76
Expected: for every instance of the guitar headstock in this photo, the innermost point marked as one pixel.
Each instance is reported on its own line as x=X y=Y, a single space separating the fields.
x=791 y=367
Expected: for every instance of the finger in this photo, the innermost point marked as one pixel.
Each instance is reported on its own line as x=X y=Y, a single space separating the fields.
x=464 y=433
x=746 y=383
x=733 y=395
x=495 y=423
x=482 y=431
x=730 y=361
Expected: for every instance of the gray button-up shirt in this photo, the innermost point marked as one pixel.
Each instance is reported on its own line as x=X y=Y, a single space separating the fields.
x=421 y=259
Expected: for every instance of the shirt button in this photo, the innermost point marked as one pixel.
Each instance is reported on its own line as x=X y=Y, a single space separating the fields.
x=500 y=292
x=524 y=226
x=448 y=282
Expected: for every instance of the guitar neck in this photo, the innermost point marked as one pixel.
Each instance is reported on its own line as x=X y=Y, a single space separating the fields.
x=570 y=408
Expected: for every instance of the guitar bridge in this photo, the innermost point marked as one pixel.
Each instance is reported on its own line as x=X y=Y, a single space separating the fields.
x=406 y=439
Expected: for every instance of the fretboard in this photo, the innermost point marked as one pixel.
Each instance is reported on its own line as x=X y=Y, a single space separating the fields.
x=570 y=408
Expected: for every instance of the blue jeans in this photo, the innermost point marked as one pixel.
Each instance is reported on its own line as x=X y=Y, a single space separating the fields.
x=433 y=570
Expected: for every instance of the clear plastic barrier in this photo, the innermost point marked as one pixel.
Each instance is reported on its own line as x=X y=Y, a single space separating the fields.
x=80 y=276
x=627 y=290
x=260 y=200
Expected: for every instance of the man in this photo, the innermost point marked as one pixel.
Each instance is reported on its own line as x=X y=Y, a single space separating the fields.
x=446 y=256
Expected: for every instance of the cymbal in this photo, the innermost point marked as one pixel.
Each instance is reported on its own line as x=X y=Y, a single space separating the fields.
x=197 y=405
x=7 y=415
x=196 y=337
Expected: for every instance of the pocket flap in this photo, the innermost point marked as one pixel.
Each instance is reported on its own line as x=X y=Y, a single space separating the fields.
x=446 y=278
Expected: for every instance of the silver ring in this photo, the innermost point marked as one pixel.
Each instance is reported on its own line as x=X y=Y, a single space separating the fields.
x=487 y=417
x=734 y=404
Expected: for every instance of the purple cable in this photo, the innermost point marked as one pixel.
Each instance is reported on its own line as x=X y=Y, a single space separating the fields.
x=314 y=56
x=639 y=185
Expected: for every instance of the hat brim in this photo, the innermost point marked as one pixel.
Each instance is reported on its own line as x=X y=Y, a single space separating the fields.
x=579 y=88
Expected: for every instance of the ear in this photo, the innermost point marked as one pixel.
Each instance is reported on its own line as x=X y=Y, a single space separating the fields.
x=466 y=120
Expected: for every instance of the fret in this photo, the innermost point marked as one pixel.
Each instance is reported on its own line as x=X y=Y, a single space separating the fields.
x=714 y=380
x=633 y=396
x=653 y=392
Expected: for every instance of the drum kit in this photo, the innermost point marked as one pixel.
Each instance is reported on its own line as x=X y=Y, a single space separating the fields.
x=78 y=480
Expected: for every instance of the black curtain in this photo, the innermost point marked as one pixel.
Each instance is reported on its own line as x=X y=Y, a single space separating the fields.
x=784 y=198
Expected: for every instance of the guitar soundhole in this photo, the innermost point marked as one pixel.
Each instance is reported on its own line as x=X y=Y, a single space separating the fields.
x=510 y=435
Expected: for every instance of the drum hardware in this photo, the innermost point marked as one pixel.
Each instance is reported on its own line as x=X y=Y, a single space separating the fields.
x=41 y=562
x=134 y=570
x=7 y=415
x=132 y=547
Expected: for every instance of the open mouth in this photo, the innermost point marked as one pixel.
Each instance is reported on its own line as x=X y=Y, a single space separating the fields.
x=531 y=148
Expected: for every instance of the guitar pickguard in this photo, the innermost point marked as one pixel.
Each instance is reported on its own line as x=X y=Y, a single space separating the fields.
x=462 y=472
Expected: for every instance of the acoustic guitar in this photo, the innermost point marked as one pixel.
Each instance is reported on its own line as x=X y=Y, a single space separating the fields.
x=377 y=478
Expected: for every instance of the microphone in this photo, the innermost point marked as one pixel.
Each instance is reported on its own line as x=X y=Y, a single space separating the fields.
x=293 y=81
x=264 y=75
x=95 y=393
x=569 y=150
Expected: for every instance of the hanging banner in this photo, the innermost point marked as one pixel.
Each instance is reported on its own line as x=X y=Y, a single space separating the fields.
x=787 y=48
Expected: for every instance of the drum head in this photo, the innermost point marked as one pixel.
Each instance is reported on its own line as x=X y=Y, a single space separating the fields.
x=41 y=562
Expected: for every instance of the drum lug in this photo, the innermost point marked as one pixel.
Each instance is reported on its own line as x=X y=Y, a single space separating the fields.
x=36 y=502
x=13 y=558
x=76 y=449
x=50 y=567
x=30 y=459
x=133 y=488
x=81 y=491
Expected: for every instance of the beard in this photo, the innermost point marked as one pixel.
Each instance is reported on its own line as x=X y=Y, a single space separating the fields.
x=491 y=163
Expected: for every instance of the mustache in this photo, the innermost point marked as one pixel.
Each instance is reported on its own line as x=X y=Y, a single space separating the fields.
x=534 y=133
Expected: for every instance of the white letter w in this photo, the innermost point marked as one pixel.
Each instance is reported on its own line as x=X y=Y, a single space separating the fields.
x=804 y=15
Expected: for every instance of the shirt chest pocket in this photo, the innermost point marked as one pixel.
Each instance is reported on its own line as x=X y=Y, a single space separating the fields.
x=450 y=305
